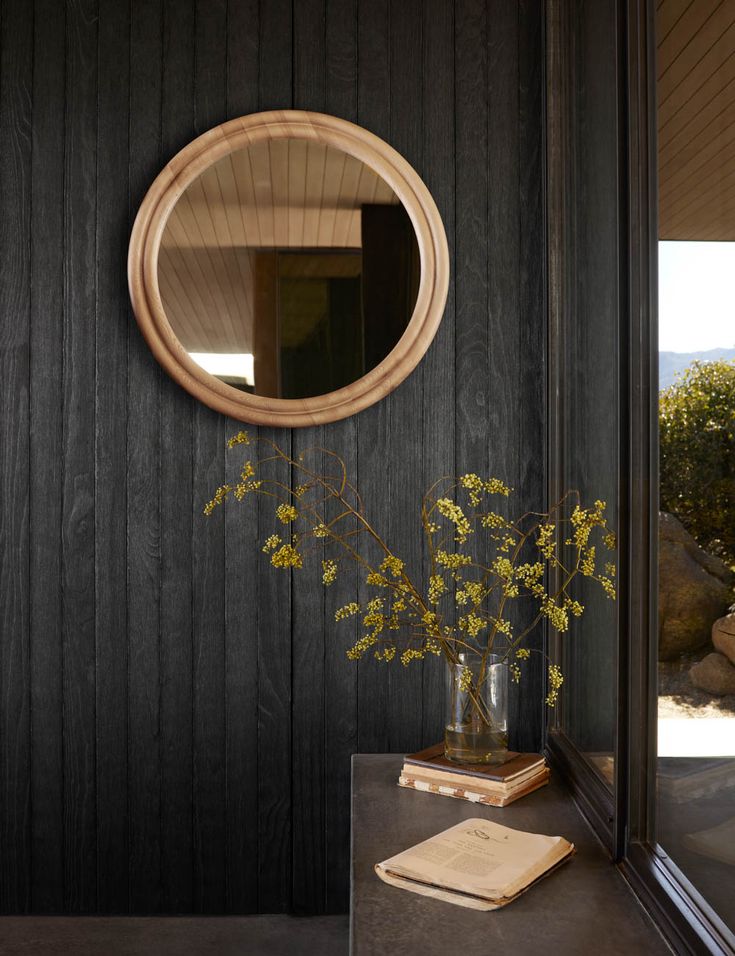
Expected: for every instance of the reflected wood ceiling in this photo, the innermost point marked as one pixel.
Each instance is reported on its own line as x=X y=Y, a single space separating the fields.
x=281 y=193
x=696 y=119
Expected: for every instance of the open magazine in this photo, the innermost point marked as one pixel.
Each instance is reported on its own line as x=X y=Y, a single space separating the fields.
x=478 y=864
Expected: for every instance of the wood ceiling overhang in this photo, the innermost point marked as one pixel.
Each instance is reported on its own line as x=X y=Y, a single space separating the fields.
x=696 y=119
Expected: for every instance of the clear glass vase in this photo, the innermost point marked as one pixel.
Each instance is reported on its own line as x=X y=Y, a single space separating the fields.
x=477 y=718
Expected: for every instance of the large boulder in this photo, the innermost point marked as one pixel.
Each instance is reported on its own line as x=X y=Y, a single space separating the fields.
x=695 y=588
x=715 y=674
x=723 y=636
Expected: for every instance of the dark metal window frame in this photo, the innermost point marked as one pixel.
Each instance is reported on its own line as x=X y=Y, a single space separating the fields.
x=624 y=819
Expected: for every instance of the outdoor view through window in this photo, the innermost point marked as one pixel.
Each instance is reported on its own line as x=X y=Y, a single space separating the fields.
x=695 y=810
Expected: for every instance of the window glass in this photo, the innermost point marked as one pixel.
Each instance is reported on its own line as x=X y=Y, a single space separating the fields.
x=695 y=794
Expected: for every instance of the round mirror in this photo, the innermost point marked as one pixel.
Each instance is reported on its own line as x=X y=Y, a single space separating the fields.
x=288 y=268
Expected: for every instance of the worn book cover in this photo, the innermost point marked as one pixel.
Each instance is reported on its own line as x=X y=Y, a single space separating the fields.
x=517 y=765
x=476 y=863
x=467 y=789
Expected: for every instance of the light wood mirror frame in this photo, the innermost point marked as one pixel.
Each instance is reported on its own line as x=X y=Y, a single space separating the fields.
x=236 y=134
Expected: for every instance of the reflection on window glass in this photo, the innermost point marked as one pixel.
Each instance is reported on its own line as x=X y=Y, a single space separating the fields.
x=695 y=811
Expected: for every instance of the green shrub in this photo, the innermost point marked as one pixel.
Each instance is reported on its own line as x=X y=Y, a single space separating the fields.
x=697 y=454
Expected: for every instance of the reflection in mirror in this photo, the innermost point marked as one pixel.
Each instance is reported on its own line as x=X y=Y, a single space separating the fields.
x=288 y=269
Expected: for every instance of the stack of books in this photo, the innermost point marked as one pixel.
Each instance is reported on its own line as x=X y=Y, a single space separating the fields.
x=495 y=785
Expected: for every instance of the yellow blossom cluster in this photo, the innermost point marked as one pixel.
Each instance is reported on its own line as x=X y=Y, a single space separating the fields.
x=286 y=513
x=347 y=610
x=523 y=654
x=452 y=561
x=494 y=486
x=360 y=646
x=329 y=571
x=472 y=624
x=530 y=575
x=300 y=490
x=219 y=496
x=242 y=438
x=556 y=679
x=503 y=567
x=386 y=653
x=574 y=607
x=507 y=543
x=271 y=543
x=320 y=530
x=437 y=587
x=470 y=591
x=411 y=654
x=502 y=626
x=378 y=580
x=475 y=485
x=493 y=520
x=286 y=557
x=609 y=541
x=558 y=617
x=243 y=487
x=393 y=565
x=587 y=567
x=465 y=679
x=545 y=540
x=454 y=513
x=585 y=519
x=608 y=587
x=429 y=619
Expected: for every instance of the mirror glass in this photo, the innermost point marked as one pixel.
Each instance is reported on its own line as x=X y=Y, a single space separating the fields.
x=288 y=269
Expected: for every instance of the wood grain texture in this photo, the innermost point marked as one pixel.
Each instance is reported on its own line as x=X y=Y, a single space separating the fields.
x=78 y=452
x=143 y=501
x=177 y=517
x=241 y=535
x=46 y=423
x=16 y=80
x=308 y=604
x=340 y=706
x=208 y=555
x=182 y=715
x=112 y=623
x=275 y=621
x=374 y=472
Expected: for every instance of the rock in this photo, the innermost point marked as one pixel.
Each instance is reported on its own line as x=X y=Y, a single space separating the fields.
x=723 y=636
x=695 y=588
x=715 y=674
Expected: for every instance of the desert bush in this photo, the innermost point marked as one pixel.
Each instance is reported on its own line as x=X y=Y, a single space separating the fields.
x=697 y=454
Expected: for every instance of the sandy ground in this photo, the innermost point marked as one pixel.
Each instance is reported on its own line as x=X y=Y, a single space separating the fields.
x=678 y=697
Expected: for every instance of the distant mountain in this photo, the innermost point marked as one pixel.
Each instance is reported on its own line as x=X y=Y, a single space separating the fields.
x=670 y=363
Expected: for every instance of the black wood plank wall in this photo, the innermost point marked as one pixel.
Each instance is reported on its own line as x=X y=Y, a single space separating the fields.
x=176 y=721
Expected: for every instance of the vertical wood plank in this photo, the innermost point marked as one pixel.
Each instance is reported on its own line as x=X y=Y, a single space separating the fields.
x=405 y=449
x=177 y=508
x=111 y=450
x=143 y=486
x=16 y=83
x=374 y=472
x=45 y=479
x=275 y=90
x=472 y=346
x=241 y=554
x=438 y=171
x=78 y=522
x=208 y=566
x=528 y=712
x=340 y=674
x=506 y=398
x=308 y=597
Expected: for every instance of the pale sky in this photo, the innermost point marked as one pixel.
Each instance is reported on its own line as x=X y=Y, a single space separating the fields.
x=696 y=296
